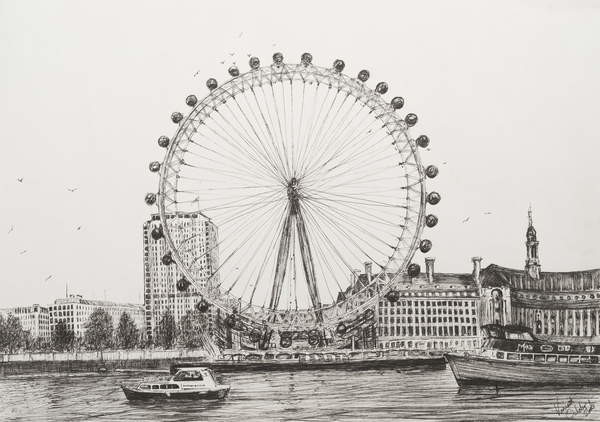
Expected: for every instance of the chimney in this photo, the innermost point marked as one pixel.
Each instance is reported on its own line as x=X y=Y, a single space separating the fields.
x=476 y=268
x=429 y=268
x=369 y=270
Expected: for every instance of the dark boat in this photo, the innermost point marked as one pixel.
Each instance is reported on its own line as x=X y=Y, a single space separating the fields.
x=318 y=359
x=193 y=383
x=513 y=355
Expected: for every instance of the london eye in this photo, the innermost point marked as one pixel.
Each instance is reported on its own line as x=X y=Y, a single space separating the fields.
x=305 y=174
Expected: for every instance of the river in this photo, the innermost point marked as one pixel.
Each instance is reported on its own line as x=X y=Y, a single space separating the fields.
x=414 y=394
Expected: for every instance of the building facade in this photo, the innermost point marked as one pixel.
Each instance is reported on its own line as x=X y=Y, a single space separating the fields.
x=160 y=291
x=75 y=311
x=35 y=319
x=558 y=304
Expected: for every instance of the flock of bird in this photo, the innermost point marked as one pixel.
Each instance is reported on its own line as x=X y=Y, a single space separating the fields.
x=12 y=227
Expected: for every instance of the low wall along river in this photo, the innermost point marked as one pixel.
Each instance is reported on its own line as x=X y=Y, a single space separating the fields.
x=109 y=360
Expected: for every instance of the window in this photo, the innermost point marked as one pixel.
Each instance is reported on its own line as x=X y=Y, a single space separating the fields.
x=500 y=355
x=512 y=356
x=539 y=358
x=526 y=356
x=563 y=359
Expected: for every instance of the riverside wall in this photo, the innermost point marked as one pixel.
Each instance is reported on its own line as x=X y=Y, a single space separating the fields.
x=105 y=361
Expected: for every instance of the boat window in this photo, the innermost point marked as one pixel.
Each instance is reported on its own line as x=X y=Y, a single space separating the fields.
x=539 y=358
x=500 y=355
x=155 y=387
x=172 y=386
x=188 y=376
x=526 y=356
x=550 y=358
x=144 y=387
x=512 y=356
x=269 y=356
x=164 y=386
x=574 y=359
x=563 y=358
x=589 y=359
x=518 y=336
x=494 y=332
x=253 y=357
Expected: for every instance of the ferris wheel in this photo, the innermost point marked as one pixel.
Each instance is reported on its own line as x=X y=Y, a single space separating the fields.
x=303 y=174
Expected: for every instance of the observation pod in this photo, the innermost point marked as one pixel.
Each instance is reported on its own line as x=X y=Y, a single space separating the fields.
x=306 y=59
x=431 y=171
x=397 y=103
x=433 y=198
x=414 y=270
x=176 y=117
x=363 y=75
x=411 y=119
x=341 y=329
x=167 y=259
x=212 y=84
x=425 y=245
x=191 y=100
x=423 y=141
x=254 y=63
x=234 y=71
x=381 y=88
x=182 y=284
x=277 y=58
x=157 y=233
x=339 y=65
x=431 y=220
x=163 y=141
x=202 y=306
x=393 y=296
x=154 y=166
x=150 y=198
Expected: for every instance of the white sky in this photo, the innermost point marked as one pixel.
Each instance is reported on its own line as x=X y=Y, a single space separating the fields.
x=506 y=92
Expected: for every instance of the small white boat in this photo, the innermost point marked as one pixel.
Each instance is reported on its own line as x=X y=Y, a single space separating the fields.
x=193 y=383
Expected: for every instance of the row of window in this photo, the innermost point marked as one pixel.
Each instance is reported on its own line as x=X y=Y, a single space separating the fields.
x=538 y=357
x=428 y=320
x=435 y=330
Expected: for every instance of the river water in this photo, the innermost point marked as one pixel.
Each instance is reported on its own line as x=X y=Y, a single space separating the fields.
x=324 y=395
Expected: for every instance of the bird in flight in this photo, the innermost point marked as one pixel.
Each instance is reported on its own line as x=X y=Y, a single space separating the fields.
x=72 y=189
x=466 y=219
x=196 y=74
x=232 y=54
x=487 y=212
x=23 y=251
x=11 y=229
x=20 y=179
x=78 y=227
x=48 y=278
x=240 y=36
x=223 y=62
x=445 y=162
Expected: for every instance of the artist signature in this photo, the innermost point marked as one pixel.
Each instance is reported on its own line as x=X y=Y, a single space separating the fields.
x=571 y=408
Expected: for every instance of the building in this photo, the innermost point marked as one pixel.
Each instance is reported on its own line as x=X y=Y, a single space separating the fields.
x=34 y=318
x=564 y=304
x=437 y=311
x=160 y=291
x=75 y=311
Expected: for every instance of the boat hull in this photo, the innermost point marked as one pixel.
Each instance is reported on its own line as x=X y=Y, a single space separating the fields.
x=479 y=370
x=207 y=394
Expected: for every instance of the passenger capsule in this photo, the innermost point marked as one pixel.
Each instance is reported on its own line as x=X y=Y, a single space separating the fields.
x=167 y=259
x=163 y=141
x=212 y=84
x=150 y=198
x=202 y=306
x=254 y=336
x=277 y=58
x=381 y=88
x=306 y=59
x=414 y=270
x=341 y=329
x=363 y=75
x=230 y=321
x=423 y=141
x=182 y=284
x=154 y=166
x=411 y=119
x=433 y=198
x=397 y=103
x=339 y=65
x=191 y=100
x=425 y=245
x=393 y=296
x=254 y=63
x=431 y=171
x=431 y=220
x=176 y=117
x=234 y=71
x=157 y=233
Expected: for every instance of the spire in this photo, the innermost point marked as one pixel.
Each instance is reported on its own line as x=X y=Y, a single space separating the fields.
x=532 y=263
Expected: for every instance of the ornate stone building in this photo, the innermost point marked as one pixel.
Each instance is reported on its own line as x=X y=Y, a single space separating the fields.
x=551 y=303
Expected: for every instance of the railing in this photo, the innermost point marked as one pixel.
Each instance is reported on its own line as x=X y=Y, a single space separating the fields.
x=106 y=355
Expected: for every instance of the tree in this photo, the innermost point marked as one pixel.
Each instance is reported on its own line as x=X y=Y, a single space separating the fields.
x=127 y=332
x=167 y=330
x=12 y=335
x=62 y=337
x=193 y=329
x=99 y=330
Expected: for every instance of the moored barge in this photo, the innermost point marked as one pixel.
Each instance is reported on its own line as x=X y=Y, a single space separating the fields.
x=513 y=355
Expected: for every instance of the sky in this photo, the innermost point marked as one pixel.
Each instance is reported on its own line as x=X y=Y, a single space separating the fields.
x=506 y=91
